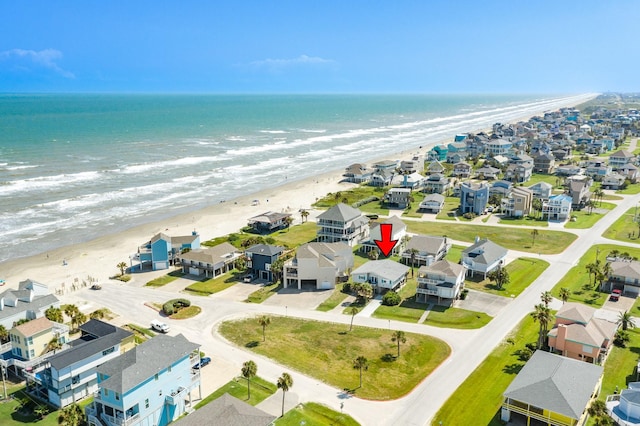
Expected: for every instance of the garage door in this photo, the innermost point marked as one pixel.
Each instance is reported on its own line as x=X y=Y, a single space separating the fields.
x=325 y=285
x=194 y=271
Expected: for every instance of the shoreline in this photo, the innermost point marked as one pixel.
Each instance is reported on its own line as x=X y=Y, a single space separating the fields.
x=98 y=257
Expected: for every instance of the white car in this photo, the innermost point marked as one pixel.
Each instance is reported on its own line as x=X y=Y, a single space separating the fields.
x=159 y=326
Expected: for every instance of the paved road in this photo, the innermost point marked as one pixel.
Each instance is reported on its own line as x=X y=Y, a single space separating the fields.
x=469 y=347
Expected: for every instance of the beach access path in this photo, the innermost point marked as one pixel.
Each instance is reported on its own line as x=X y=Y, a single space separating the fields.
x=469 y=347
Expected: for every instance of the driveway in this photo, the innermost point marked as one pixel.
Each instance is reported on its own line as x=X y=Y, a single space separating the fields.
x=239 y=292
x=478 y=301
x=299 y=299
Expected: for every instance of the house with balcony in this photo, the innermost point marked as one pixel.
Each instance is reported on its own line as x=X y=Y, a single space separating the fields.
x=518 y=172
x=462 y=170
x=518 y=203
x=568 y=170
x=415 y=165
x=151 y=384
x=614 y=180
x=398 y=233
x=269 y=222
x=544 y=163
x=442 y=279
x=342 y=223
x=162 y=250
x=425 y=250
x=383 y=275
x=552 y=389
x=435 y=167
x=318 y=265
x=483 y=257
x=501 y=188
x=436 y=184
x=625 y=275
x=498 y=147
x=557 y=208
x=487 y=173
x=473 y=197
x=620 y=158
x=579 y=192
x=227 y=411
x=210 y=262
x=32 y=339
x=260 y=257
x=578 y=334
x=438 y=153
x=542 y=190
x=70 y=375
x=357 y=173
x=29 y=301
x=412 y=181
x=630 y=171
x=624 y=408
x=432 y=203
x=597 y=169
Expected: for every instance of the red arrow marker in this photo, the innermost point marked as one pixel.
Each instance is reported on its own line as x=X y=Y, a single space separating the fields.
x=386 y=244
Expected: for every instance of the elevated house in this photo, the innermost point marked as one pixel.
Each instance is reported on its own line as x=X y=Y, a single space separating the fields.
x=578 y=334
x=436 y=183
x=498 y=147
x=435 y=167
x=432 y=203
x=625 y=275
x=625 y=407
x=557 y=207
x=438 y=153
x=487 y=173
x=568 y=170
x=630 y=171
x=597 y=169
x=210 y=262
x=552 y=390
x=579 y=193
x=29 y=301
x=613 y=180
x=399 y=198
x=357 y=173
x=269 y=222
x=382 y=178
x=415 y=165
x=542 y=190
x=342 y=223
x=383 y=275
x=412 y=181
x=425 y=250
x=473 y=197
x=162 y=250
x=483 y=257
x=148 y=385
x=518 y=203
x=501 y=188
x=318 y=265
x=442 y=279
x=462 y=170
x=620 y=158
x=260 y=257
x=518 y=172
x=544 y=163
x=32 y=339
x=398 y=233
x=70 y=375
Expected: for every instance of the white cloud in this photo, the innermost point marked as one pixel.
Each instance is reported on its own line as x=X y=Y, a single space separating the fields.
x=277 y=65
x=46 y=58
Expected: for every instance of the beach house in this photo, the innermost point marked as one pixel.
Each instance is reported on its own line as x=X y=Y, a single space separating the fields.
x=579 y=192
x=473 y=197
x=442 y=279
x=432 y=203
x=226 y=410
x=318 y=266
x=625 y=275
x=210 y=262
x=518 y=203
x=260 y=257
x=425 y=249
x=383 y=275
x=620 y=158
x=28 y=302
x=557 y=207
x=34 y=338
x=553 y=390
x=162 y=250
x=342 y=223
x=541 y=190
x=357 y=173
x=436 y=183
x=483 y=256
x=70 y=375
x=148 y=385
x=462 y=170
x=398 y=233
x=268 y=222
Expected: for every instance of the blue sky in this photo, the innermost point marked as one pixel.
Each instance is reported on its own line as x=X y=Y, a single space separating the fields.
x=344 y=46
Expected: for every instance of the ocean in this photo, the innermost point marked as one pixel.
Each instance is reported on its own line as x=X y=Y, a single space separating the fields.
x=74 y=167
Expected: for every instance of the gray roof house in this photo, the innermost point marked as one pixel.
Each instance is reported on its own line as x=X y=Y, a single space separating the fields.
x=342 y=223
x=29 y=301
x=483 y=256
x=319 y=265
x=210 y=262
x=227 y=411
x=442 y=279
x=398 y=233
x=552 y=389
x=269 y=221
x=383 y=275
x=542 y=190
x=426 y=248
x=432 y=203
x=625 y=274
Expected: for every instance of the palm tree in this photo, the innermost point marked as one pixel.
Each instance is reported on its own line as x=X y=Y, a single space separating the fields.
x=54 y=314
x=249 y=370
x=536 y=204
x=53 y=345
x=4 y=334
x=399 y=337
x=70 y=310
x=285 y=382
x=353 y=311
x=304 y=214
x=71 y=415
x=625 y=320
x=413 y=252
x=542 y=314
x=122 y=266
x=373 y=254
x=605 y=273
x=288 y=221
x=276 y=269
x=564 y=294
x=592 y=269
x=264 y=321
x=534 y=234
x=78 y=319
x=500 y=276
x=546 y=298
x=97 y=314
x=362 y=364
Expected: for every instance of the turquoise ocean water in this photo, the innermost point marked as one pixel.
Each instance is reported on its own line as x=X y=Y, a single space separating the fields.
x=73 y=167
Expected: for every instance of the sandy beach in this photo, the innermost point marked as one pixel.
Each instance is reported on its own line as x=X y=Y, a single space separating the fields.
x=98 y=258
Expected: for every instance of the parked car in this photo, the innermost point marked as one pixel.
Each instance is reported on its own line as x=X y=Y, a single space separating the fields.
x=203 y=362
x=159 y=326
x=248 y=278
x=615 y=295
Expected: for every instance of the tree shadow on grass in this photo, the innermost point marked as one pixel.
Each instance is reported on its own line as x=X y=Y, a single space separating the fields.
x=388 y=358
x=252 y=344
x=513 y=368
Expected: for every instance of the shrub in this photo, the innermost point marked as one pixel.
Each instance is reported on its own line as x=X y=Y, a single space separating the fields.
x=346 y=288
x=174 y=305
x=469 y=215
x=391 y=298
x=124 y=278
x=525 y=354
x=365 y=201
x=463 y=294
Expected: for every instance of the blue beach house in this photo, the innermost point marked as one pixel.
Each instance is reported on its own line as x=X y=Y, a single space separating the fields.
x=261 y=257
x=473 y=197
x=160 y=252
x=149 y=385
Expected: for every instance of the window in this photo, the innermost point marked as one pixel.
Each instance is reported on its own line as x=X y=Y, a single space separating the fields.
x=169 y=369
x=75 y=380
x=108 y=351
x=30 y=341
x=146 y=403
x=106 y=392
x=117 y=396
x=32 y=353
x=156 y=377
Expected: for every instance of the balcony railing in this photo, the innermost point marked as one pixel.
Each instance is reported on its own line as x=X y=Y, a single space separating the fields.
x=428 y=281
x=546 y=419
x=427 y=291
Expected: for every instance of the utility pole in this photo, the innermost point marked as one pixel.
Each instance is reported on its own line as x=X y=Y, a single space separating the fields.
x=4 y=383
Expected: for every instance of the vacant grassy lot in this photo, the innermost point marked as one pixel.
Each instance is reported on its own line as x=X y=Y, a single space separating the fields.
x=350 y=196
x=313 y=414
x=522 y=272
x=260 y=390
x=547 y=242
x=632 y=189
x=407 y=311
x=214 y=285
x=477 y=401
x=334 y=300
x=263 y=293
x=585 y=220
x=625 y=228
x=450 y=208
x=526 y=221
x=455 y=253
x=326 y=351
x=165 y=279
x=442 y=316
x=577 y=279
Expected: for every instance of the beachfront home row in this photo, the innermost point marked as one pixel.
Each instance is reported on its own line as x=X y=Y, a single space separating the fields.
x=162 y=250
x=29 y=301
x=268 y=222
x=342 y=223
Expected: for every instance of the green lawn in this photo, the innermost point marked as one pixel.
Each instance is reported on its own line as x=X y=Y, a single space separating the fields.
x=632 y=189
x=585 y=219
x=326 y=351
x=442 y=316
x=296 y=235
x=625 y=228
x=477 y=401
x=407 y=311
x=415 y=205
x=455 y=253
x=547 y=242
x=260 y=390
x=263 y=293
x=165 y=279
x=522 y=272
x=577 y=279
x=334 y=300
x=374 y=207
x=527 y=221
x=449 y=209
x=538 y=177
x=188 y=312
x=214 y=285
x=350 y=196
x=313 y=414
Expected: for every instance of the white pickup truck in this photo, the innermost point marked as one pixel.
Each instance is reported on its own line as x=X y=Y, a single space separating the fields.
x=159 y=326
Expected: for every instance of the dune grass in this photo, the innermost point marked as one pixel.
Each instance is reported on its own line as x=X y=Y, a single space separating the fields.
x=260 y=390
